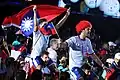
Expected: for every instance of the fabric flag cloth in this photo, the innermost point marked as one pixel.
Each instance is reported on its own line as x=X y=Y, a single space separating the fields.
x=24 y=19
x=7 y=21
x=48 y=29
x=27 y=23
x=10 y=21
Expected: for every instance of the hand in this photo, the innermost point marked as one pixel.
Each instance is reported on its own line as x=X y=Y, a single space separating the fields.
x=104 y=67
x=67 y=66
x=22 y=62
x=43 y=24
x=107 y=69
x=59 y=40
x=34 y=8
x=56 y=70
x=68 y=11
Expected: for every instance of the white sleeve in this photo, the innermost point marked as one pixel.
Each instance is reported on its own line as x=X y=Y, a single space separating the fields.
x=36 y=33
x=70 y=41
x=90 y=48
x=36 y=36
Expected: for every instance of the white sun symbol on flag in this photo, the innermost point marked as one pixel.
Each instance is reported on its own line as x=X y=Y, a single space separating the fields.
x=27 y=24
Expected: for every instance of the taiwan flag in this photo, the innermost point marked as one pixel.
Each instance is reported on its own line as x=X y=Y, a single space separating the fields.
x=24 y=19
x=48 y=29
x=27 y=23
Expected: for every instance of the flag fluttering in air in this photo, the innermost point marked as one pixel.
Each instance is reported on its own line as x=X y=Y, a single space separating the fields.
x=48 y=29
x=24 y=19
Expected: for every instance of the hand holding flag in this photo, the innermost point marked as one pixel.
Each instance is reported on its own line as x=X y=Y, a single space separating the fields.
x=34 y=8
x=68 y=11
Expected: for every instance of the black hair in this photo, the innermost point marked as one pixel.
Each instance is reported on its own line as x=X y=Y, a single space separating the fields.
x=21 y=38
x=21 y=75
x=42 y=20
x=62 y=61
x=9 y=61
x=36 y=75
x=86 y=66
x=44 y=53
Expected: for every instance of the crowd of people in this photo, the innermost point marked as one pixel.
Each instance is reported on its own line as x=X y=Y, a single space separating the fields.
x=45 y=58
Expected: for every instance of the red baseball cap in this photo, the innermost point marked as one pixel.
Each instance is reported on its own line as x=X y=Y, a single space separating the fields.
x=82 y=25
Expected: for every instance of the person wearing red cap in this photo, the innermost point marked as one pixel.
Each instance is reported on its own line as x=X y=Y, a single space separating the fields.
x=82 y=25
x=80 y=48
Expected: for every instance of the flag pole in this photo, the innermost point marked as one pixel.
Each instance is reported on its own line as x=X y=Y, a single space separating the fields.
x=56 y=31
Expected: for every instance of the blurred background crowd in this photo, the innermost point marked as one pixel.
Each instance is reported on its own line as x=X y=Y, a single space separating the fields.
x=104 y=16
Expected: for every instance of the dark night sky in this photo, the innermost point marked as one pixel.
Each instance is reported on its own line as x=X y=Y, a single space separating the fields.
x=107 y=28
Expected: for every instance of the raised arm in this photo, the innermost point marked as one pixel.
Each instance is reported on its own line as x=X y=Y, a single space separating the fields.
x=63 y=45
x=6 y=47
x=35 y=19
x=61 y=22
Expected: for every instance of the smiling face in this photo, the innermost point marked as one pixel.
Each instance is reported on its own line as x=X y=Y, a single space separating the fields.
x=86 y=32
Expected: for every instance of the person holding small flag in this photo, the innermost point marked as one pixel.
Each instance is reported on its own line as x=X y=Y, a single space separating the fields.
x=42 y=31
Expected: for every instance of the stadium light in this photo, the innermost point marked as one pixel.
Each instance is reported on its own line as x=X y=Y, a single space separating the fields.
x=61 y=3
x=93 y=3
x=74 y=1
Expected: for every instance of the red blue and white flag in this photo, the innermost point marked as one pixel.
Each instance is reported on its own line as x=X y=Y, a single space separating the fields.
x=48 y=29
x=27 y=23
x=24 y=19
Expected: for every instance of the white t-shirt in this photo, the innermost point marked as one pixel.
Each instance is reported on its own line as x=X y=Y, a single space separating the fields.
x=52 y=54
x=15 y=54
x=78 y=48
x=40 y=43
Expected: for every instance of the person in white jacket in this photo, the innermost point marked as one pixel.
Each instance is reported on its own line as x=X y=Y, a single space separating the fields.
x=52 y=50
